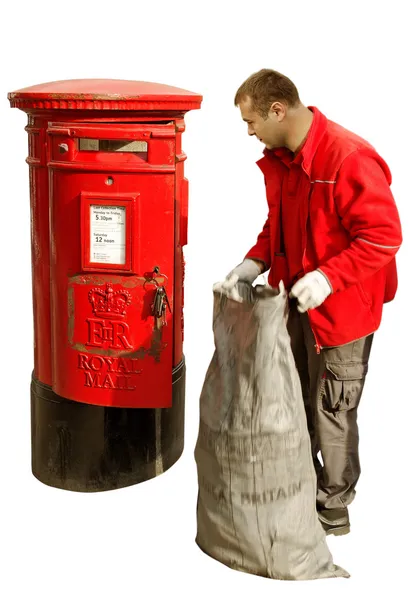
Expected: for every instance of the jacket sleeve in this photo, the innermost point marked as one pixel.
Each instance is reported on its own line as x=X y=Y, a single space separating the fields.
x=261 y=250
x=369 y=213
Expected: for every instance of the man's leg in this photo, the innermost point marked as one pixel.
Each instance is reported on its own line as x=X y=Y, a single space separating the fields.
x=298 y=344
x=337 y=377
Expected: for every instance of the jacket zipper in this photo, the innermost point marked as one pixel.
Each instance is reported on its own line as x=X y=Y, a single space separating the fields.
x=317 y=346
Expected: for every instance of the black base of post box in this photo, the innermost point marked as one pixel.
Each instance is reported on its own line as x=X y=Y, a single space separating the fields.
x=87 y=448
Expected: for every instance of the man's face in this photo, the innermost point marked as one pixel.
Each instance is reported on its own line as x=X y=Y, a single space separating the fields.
x=269 y=130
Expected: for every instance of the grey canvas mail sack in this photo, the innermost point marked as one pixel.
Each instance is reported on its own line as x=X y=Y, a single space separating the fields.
x=257 y=487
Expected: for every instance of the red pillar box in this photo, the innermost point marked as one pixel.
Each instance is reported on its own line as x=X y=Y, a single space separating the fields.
x=109 y=206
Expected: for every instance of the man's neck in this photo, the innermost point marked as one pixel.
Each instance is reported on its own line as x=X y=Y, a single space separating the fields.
x=299 y=126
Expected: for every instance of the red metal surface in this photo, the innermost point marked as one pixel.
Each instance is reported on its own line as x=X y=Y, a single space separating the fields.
x=104 y=94
x=181 y=223
x=39 y=217
x=96 y=339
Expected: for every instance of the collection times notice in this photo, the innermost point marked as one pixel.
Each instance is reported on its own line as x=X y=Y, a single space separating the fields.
x=108 y=234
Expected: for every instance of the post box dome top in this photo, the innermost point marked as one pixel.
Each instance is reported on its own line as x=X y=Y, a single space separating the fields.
x=104 y=94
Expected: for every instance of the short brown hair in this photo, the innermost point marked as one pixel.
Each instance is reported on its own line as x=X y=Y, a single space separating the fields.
x=264 y=88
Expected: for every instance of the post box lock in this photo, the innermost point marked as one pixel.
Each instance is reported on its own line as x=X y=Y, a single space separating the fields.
x=160 y=300
x=160 y=303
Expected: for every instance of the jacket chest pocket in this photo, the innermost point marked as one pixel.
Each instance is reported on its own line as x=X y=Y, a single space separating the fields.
x=321 y=198
x=342 y=385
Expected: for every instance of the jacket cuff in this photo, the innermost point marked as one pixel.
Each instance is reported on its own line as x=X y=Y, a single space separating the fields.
x=327 y=278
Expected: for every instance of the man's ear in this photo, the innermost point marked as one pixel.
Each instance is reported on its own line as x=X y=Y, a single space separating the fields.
x=278 y=109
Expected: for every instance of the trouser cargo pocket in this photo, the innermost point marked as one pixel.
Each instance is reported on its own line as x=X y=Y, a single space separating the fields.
x=342 y=385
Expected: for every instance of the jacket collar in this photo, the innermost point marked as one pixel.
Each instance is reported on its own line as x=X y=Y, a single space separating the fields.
x=307 y=151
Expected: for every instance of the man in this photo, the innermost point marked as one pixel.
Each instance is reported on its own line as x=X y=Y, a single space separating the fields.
x=331 y=236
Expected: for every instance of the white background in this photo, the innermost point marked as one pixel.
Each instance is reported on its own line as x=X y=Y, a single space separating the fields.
x=355 y=62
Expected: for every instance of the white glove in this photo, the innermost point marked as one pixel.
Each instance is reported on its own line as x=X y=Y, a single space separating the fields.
x=311 y=291
x=228 y=288
x=247 y=271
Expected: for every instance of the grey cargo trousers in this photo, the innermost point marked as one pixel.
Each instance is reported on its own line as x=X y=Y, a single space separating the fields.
x=332 y=385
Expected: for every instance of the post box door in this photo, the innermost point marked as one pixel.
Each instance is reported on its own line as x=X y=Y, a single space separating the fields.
x=112 y=251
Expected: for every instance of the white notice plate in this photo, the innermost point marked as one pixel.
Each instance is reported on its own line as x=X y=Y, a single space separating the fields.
x=108 y=234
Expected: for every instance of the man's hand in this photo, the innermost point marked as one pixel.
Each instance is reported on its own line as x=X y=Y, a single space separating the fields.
x=311 y=291
x=228 y=288
x=247 y=271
